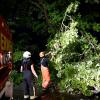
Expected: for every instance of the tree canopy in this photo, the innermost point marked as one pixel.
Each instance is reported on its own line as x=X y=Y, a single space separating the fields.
x=42 y=19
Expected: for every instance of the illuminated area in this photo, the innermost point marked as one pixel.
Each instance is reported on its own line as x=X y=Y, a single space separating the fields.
x=5 y=52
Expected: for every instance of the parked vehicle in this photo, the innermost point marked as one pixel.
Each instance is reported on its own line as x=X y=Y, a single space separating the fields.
x=5 y=59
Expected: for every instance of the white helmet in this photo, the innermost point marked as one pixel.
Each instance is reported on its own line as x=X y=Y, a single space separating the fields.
x=26 y=54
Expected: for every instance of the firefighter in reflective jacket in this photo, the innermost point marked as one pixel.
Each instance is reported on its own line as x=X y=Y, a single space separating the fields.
x=27 y=67
x=44 y=70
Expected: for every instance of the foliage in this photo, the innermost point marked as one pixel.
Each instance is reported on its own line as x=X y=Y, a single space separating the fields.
x=76 y=57
x=17 y=58
x=16 y=77
x=17 y=55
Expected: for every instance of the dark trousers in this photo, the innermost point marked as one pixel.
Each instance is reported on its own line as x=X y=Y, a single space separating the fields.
x=28 y=84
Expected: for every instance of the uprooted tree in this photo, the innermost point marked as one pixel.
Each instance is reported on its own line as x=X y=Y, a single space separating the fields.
x=75 y=55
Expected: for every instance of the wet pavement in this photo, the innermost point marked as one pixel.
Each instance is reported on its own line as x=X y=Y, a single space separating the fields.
x=18 y=92
x=50 y=95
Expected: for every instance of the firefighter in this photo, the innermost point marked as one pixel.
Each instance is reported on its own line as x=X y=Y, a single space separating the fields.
x=44 y=70
x=27 y=67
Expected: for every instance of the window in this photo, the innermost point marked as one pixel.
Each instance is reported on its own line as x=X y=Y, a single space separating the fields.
x=5 y=59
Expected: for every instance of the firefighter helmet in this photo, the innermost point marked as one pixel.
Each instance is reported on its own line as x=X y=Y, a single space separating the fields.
x=26 y=54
